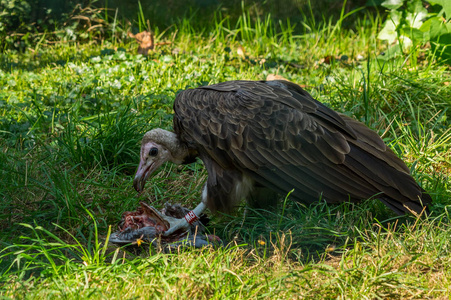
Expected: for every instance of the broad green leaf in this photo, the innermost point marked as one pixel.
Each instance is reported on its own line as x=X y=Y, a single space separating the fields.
x=405 y=41
x=416 y=34
x=437 y=27
x=415 y=6
x=415 y=18
x=388 y=33
x=426 y=26
x=391 y=52
x=446 y=4
x=392 y=4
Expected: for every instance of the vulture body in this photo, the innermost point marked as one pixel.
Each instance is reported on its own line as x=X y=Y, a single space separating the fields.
x=273 y=134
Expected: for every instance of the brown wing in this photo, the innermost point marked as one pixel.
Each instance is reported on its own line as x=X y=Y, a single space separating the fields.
x=277 y=134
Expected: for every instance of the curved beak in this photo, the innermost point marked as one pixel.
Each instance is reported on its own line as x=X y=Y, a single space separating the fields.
x=142 y=174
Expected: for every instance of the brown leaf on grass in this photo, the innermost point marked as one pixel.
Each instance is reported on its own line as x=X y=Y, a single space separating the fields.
x=145 y=40
x=329 y=59
x=279 y=77
x=275 y=77
x=241 y=52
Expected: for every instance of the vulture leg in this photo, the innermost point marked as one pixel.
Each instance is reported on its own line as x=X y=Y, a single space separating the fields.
x=192 y=216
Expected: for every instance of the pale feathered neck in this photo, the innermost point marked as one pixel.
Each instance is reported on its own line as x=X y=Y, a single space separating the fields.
x=179 y=151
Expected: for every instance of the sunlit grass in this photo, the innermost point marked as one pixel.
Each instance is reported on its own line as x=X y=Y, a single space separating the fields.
x=71 y=118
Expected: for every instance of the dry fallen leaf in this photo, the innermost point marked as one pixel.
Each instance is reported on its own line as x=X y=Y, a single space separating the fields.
x=145 y=40
x=329 y=59
x=278 y=77
x=275 y=77
x=240 y=51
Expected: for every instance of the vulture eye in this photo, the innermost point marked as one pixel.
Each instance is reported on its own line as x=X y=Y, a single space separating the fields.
x=153 y=151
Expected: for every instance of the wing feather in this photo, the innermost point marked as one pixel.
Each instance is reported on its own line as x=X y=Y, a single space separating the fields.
x=277 y=134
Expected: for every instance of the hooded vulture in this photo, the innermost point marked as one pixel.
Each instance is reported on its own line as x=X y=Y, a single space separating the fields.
x=274 y=135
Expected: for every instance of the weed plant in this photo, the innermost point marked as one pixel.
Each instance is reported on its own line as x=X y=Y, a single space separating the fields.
x=71 y=120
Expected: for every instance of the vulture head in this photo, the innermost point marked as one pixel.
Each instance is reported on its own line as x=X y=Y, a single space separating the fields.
x=157 y=147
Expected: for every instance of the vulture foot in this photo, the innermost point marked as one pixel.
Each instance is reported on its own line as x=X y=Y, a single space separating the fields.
x=186 y=222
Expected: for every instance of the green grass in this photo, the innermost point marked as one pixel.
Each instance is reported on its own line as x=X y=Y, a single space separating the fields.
x=71 y=119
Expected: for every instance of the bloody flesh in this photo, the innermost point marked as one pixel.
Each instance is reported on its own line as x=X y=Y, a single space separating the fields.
x=142 y=217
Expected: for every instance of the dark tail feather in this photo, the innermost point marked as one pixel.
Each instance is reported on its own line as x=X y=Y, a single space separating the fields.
x=418 y=207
